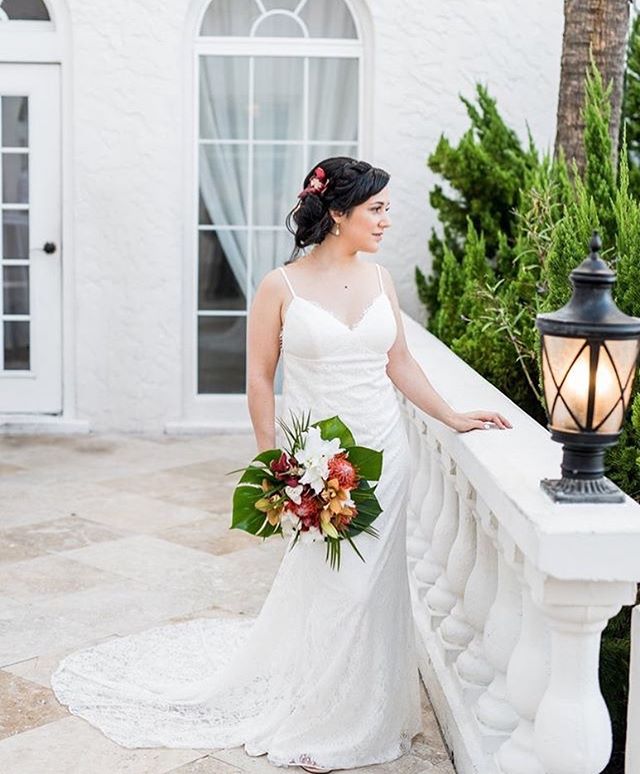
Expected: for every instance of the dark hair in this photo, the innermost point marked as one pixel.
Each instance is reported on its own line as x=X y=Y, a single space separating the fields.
x=348 y=183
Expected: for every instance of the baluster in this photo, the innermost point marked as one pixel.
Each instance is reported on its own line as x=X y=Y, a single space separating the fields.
x=572 y=729
x=442 y=597
x=527 y=679
x=493 y=710
x=472 y=668
x=431 y=503
x=444 y=530
x=456 y=631
x=420 y=476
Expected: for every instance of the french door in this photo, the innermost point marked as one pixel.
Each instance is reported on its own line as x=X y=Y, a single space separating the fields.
x=30 y=234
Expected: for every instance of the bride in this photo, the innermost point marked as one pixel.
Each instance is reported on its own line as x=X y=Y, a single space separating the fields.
x=326 y=676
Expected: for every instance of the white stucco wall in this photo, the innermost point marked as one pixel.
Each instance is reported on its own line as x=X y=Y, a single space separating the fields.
x=127 y=110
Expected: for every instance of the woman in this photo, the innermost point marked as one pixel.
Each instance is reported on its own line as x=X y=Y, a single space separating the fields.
x=326 y=676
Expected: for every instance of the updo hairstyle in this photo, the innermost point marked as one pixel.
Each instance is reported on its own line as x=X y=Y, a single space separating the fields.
x=348 y=183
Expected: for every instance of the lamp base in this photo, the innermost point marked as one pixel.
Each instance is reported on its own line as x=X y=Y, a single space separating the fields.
x=582 y=490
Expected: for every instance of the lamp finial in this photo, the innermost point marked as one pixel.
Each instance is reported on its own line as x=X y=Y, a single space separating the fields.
x=595 y=245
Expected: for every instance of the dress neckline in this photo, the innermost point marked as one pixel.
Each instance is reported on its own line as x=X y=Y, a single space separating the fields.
x=328 y=312
x=333 y=316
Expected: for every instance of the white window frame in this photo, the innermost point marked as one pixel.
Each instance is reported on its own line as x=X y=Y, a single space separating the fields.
x=229 y=411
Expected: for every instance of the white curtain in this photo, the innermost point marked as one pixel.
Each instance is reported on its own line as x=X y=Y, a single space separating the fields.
x=277 y=115
x=224 y=89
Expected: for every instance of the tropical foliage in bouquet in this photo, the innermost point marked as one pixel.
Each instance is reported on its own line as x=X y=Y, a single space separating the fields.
x=318 y=489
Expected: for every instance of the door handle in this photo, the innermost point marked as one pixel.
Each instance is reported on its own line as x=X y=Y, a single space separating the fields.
x=49 y=248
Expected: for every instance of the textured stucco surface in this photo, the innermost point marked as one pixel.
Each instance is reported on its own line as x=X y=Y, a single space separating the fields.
x=128 y=85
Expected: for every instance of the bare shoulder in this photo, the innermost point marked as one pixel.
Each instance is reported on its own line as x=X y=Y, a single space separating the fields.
x=387 y=281
x=272 y=285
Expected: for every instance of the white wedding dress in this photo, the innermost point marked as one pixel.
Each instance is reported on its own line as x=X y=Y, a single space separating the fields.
x=327 y=672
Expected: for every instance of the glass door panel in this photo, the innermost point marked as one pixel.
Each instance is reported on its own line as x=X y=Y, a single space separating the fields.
x=30 y=302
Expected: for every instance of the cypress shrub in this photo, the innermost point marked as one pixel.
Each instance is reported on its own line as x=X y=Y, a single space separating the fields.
x=515 y=226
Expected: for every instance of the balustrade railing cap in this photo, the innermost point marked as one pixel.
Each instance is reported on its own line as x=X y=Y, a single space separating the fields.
x=574 y=542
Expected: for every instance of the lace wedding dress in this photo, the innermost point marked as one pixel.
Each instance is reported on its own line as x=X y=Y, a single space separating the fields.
x=327 y=673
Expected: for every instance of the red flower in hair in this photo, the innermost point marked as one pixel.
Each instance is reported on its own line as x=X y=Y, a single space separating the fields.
x=316 y=185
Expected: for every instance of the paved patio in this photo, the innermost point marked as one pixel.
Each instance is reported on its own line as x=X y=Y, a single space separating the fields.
x=104 y=535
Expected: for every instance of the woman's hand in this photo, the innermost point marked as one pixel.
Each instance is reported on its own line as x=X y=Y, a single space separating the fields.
x=474 y=420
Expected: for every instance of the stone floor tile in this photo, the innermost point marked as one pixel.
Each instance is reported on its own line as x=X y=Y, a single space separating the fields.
x=209 y=612
x=217 y=469
x=56 y=535
x=212 y=535
x=123 y=607
x=135 y=512
x=7 y=604
x=429 y=745
x=407 y=764
x=25 y=705
x=25 y=633
x=28 y=501
x=12 y=550
x=72 y=746
x=10 y=470
x=237 y=581
x=40 y=668
x=96 y=454
x=145 y=558
x=255 y=764
x=208 y=765
x=31 y=580
x=179 y=489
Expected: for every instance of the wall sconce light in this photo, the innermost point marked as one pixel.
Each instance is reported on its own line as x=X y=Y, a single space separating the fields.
x=589 y=355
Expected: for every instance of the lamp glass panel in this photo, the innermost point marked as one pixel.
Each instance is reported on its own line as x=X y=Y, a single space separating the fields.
x=561 y=353
x=608 y=390
x=630 y=376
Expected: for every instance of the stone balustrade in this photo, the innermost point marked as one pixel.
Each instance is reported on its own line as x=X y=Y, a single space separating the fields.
x=510 y=591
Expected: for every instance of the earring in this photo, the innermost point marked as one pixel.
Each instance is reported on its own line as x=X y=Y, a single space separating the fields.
x=337 y=231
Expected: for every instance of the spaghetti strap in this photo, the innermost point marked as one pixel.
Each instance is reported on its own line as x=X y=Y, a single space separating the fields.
x=379 y=277
x=286 y=279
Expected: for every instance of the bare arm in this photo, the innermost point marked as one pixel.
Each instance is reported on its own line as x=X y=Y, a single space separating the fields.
x=407 y=375
x=263 y=350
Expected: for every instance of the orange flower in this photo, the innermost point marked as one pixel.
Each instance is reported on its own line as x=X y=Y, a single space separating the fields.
x=272 y=506
x=334 y=495
x=338 y=509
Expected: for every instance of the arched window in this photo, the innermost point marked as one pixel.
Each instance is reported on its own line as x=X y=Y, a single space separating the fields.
x=278 y=90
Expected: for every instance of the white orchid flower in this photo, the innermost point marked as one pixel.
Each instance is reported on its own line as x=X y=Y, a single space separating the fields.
x=294 y=493
x=314 y=458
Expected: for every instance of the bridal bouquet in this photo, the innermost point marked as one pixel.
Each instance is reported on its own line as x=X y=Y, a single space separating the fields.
x=318 y=489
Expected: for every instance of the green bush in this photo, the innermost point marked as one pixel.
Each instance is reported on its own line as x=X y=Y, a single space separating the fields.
x=486 y=170
x=517 y=224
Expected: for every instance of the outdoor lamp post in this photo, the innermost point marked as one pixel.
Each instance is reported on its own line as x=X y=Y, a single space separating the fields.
x=589 y=354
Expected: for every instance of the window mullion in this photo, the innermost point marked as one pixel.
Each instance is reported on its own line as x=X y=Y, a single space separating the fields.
x=305 y=118
x=250 y=165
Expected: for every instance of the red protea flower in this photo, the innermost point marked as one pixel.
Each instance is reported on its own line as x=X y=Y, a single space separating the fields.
x=343 y=470
x=308 y=509
x=285 y=469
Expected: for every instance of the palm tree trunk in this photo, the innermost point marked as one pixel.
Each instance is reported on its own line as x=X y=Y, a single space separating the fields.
x=603 y=26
